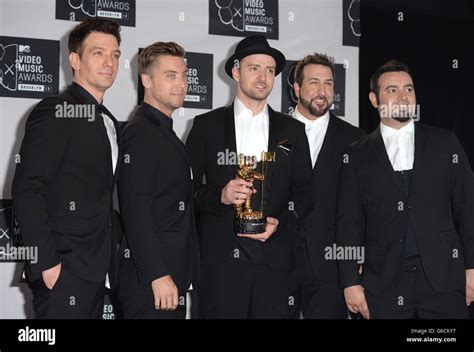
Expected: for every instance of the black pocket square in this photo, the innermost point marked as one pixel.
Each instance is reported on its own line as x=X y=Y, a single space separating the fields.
x=285 y=146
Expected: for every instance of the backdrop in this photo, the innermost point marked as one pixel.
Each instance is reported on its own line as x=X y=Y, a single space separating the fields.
x=432 y=36
x=33 y=64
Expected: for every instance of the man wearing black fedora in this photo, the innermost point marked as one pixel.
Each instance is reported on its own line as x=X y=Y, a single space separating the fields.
x=248 y=276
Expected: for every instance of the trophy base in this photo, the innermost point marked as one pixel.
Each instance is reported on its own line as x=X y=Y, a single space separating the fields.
x=249 y=226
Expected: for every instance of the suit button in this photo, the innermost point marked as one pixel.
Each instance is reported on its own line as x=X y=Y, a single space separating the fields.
x=109 y=225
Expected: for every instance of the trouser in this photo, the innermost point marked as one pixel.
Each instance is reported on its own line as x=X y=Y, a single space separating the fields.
x=142 y=306
x=70 y=298
x=242 y=290
x=415 y=298
x=316 y=299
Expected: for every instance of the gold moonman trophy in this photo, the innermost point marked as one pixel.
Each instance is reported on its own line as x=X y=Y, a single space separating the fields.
x=247 y=220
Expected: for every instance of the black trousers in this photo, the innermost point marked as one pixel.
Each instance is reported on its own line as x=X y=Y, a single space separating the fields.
x=242 y=290
x=141 y=306
x=416 y=299
x=71 y=298
x=316 y=299
x=136 y=297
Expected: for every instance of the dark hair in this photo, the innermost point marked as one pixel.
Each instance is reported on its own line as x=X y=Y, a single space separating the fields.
x=390 y=66
x=79 y=34
x=151 y=53
x=313 y=59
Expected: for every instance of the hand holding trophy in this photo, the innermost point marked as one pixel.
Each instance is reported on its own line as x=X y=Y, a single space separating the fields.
x=248 y=220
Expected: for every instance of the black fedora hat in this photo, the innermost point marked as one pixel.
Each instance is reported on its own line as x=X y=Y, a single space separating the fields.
x=255 y=44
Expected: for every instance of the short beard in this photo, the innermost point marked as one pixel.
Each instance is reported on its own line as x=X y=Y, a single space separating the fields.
x=312 y=110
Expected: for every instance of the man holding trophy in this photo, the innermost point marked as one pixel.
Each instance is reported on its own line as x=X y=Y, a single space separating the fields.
x=250 y=165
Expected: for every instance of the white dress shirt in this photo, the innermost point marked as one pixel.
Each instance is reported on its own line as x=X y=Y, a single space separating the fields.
x=112 y=134
x=315 y=132
x=400 y=145
x=251 y=132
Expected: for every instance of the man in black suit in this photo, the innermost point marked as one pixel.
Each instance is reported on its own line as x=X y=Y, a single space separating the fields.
x=156 y=196
x=320 y=296
x=63 y=186
x=406 y=202
x=248 y=276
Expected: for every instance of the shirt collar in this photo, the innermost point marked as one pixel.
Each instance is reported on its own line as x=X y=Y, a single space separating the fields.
x=88 y=97
x=320 y=121
x=240 y=108
x=157 y=114
x=389 y=132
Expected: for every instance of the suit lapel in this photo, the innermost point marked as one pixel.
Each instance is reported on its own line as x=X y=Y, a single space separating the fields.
x=102 y=131
x=229 y=138
x=327 y=148
x=380 y=155
x=272 y=141
x=272 y=147
x=119 y=152
x=420 y=146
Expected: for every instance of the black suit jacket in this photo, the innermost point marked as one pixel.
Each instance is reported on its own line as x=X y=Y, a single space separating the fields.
x=373 y=211
x=289 y=178
x=62 y=189
x=320 y=225
x=156 y=203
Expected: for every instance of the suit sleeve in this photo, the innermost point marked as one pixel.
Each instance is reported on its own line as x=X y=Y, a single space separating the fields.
x=206 y=198
x=42 y=151
x=462 y=199
x=349 y=220
x=138 y=175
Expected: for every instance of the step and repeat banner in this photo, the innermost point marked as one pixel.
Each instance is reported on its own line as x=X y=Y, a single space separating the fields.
x=34 y=64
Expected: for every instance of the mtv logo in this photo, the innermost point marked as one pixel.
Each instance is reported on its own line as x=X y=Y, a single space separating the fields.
x=230 y=12
x=88 y=7
x=6 y=221
x=9 y=229
x=8 y=73
x=24 y=48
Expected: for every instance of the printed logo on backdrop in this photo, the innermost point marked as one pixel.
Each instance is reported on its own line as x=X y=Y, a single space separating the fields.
x=10 y=238
x=200 y=73
x=29 y=68
x=288 y=96
x=351 y=22
x=122 y=11
x=243 y=17
x=110 y=311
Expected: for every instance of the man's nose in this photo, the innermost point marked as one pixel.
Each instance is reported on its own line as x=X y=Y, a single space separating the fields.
x=403 y=97
x=108 y=60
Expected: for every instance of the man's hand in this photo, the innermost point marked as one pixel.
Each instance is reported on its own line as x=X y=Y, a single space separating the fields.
x=355 y=300
x=236 y=191
x=270 y=229
x=469 y=286
x=51 y=275
x=165 y=293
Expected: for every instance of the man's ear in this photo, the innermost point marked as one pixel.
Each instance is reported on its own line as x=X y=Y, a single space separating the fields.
x=75 y=60
x=146 y=80
x=235 y=74
x=373 y=99
x=297 y=88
